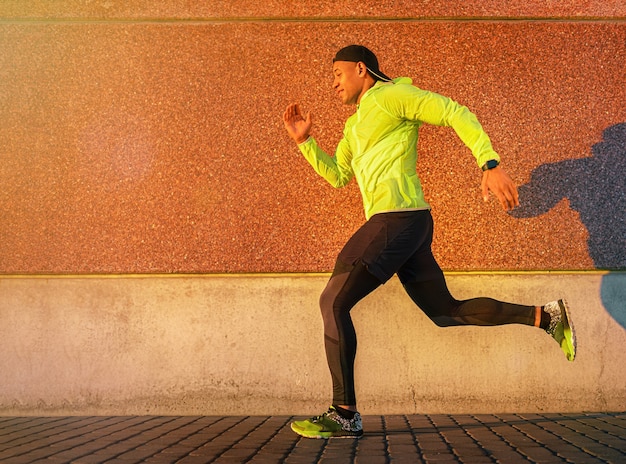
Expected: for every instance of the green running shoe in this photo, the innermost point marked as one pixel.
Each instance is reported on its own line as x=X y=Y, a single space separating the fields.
x=561 y=327
x=329 y=425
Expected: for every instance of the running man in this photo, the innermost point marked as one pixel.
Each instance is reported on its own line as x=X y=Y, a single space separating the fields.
x=379 y=149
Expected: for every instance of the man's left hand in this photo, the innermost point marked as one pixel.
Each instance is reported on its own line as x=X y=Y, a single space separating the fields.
x=500 y=184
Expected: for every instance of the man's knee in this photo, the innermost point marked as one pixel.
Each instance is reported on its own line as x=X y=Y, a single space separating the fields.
x=445 y=321
x=434 y=299
x=328 y=298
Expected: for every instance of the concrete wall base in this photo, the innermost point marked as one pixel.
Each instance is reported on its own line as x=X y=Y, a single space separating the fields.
x=248 y=345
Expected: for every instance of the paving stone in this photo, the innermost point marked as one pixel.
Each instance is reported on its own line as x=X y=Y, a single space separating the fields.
x=437 y=439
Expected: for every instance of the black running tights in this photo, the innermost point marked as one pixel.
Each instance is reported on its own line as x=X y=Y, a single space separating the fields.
x=349 y=284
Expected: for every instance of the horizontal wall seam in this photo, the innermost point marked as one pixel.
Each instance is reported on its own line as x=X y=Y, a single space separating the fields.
x=378 y=20
x=591 y=272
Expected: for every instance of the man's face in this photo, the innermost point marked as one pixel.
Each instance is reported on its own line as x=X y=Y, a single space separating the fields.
x=349 y=81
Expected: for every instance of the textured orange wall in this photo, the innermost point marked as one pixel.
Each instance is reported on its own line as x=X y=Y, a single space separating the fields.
x=140 y=137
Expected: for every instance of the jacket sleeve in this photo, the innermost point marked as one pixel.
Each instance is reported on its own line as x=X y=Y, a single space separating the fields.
x=431 y=108
x=336 y=170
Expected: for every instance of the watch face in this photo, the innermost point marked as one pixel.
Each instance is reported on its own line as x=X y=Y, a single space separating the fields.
x=490 y=165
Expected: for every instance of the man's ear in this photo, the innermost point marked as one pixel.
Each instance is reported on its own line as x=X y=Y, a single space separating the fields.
x=361 y=69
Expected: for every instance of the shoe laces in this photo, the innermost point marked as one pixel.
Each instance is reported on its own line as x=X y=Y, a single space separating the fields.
x=322 y=416
x=333 y=415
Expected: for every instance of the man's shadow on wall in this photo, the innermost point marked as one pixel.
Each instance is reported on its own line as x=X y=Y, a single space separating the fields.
x=596 y=189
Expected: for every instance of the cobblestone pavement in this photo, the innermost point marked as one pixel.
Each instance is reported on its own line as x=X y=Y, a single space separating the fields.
x=498 y=438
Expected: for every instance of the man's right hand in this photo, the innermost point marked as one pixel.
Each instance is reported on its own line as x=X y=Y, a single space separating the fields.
x=298 y=126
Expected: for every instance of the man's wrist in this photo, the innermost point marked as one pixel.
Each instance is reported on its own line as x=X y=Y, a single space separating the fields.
x=303 y=140
x=491 y=164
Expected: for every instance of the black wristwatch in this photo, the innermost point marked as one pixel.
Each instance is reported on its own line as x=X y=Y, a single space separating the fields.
x=490 y=165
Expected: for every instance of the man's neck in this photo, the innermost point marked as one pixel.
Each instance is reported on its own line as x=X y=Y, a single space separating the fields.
x=369 y=83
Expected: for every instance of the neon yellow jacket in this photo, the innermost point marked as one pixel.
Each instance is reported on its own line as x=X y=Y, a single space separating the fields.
x=379 y=144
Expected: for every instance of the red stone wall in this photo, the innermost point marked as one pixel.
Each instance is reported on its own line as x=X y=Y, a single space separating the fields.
x=146 y=137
